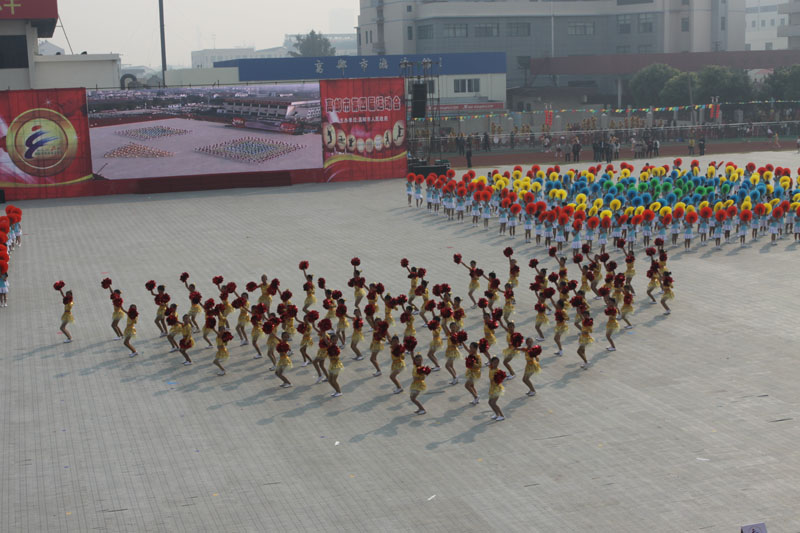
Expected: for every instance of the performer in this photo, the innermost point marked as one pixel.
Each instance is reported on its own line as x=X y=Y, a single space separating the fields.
x=666 y=284
x=358 y=334
x=223 y=338
x=256 y=320
x=130 y=329
x=532 y=366
x=435 y=328
x=585 y=339
x=454 y=338
x=418 y=385
x=399 y=363
x=118 y=313
x=496 y=377
x=562 y=327
x=187 y=342
x=378 y=334
x=308 y=287
x=161 y=299
x=475 y=274
x=473 y=364
x=285 y=361
x=325 y=340
x=335 y=368
x=66 y=316
x=514 y=340
x=612 y=326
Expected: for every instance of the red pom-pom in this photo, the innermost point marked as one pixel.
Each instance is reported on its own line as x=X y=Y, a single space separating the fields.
x=321 y=283
x=251 y=286
x=106 y=283
x=324 y=324
x=552 y=251
x=499 y=376
x=404 y=262
x=577 y=258
x=150 y=285
x=58 y=285
x=216 y=280
x=535 y=350
x=312 y=316
x=355 y=261
x=303 y=265
x=282 y=347
x=462 y=336
x=457 y=259
x=410 y=343
x=286 y=296
x=533 y=263
x=226 y=336
x=184 y=276
x=230 y=287
x=508 y=252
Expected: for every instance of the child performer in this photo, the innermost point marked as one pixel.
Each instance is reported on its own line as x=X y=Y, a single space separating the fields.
x=532 y=366
x=256 y=319
x=305 y=329
x=666 y=284
x=399 y=363
x=612 y=326
x=585 y=338
x=223 y=338
x=454 y=338
x=418 y=385
x=116 y=316
x=335 y=368
x=187 y=341
x=514 y=339
x=473 y=363
x=375 y=347
x=130 y=329
x=562 y=327
x=358 y=334
x=475 y=274
x=285 y=361
x=66 y=316
x=496 y=377
x=436 y=342
x=161 y=299
x=325 y=340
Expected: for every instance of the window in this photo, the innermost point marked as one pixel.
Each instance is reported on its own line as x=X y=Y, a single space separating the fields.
x=425 y=32
x=624 y=23
x=580 y=28
x=767 y=46
x=519 y=29
x=783 y=21
x=623 y=49
x=472 y=85
x=685 y=24
x=723 y=23
x=753 y=24
x=747 y=47
x=410 y=30
x=771 y=22
x=645 y=48
x=455 y=30
x=408 y=9
x=13 y=51
x=487 y=30
x=646 y=23
x=763 y=22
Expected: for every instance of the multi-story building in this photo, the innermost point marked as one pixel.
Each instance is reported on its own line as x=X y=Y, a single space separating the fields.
x=762 y=23
x=206 y=58
x=526 y=29
x=791 y=29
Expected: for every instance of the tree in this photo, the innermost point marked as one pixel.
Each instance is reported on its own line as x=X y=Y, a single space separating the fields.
x=645 y=85
x=782 y=84
x=676 y=90
x=312 y=45
x=730 y=85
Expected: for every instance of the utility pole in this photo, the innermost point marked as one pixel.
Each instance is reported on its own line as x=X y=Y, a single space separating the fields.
x=163 y=45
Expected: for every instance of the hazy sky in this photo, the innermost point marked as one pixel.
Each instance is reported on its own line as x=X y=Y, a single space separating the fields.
x=131 y=28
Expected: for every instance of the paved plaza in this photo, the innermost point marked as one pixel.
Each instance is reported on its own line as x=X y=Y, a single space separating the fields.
x=690 y=426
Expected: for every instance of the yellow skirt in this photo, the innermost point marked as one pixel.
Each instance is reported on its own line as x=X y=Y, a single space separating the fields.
x=474 y=285
x=222 y=354
x=67 y=317
x=513 y=281
x=490 y=338
x=194 y=310
x=256 y=333
x=398 y=365
x=357 y=337
x=627 y=310
x=510 y=352
x=612 y=326
x=452 y=353
x=473 y=374
x=360 y=293
x=265 y=299
x=322 y=353
x=336 y=367
x=306 y=341
x=175 y=330
x=117 y=315
x=410 y=331
x=561 y=328
x=668 y=295
x=507 y=310
x=436 y=343
x=129 y=333
x=585 y=339
x=272 y=341
x=310 y=300
x=284 y=362
x=343 y=324
x=585 y=287
x=206 y=331
x=389 y=319
x=541 y=318
x=532 y=368
x=418 y=386
x=495 y=390
x=376 y=346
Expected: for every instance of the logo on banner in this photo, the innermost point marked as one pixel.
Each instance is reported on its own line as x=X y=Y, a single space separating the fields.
x=41 y=142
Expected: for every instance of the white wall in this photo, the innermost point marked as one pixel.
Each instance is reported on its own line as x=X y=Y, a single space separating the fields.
x=94 y=70
x=203 y=76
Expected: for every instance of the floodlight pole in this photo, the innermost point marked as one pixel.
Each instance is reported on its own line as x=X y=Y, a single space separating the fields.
x=163 y=45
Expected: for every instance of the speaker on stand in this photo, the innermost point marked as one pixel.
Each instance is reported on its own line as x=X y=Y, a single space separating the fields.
x=419 y=100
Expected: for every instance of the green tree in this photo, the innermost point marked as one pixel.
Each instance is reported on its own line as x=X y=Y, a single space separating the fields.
x=730 y=85
x=312 y=45
x=676 y=90
x=645 y=85
x=782 y=84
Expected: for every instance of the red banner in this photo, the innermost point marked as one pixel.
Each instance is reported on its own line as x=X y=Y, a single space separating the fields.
x=44 y=138
x=364 y=128
x=28 y=9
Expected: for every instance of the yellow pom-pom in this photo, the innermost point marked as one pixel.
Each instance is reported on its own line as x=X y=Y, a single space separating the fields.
x=581 y=198
x=768 y=208
x=592 y=211
x=718 y=206
x=606 y=214
x=774 y=201
x=666 y=210
x=703 y=204
x=690 y=208
x=639 y=210
x=629 y=210
x=540 y=173
x=615 y=204
x=536 y=186
x=655 y=207
x=680 y=204
x=554 y=176
x=589 y=177
x=598 y=202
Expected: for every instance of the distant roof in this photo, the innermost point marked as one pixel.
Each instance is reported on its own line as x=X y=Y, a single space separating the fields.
x=316 y=68
x=622 y=64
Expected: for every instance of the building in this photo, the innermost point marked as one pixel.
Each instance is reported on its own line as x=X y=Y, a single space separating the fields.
x=23 y=66
x=461 y=83
x=206 y=58
x=762 y=23
x=346 y=44
x=790 y=30
x=526 y=29
x=46 y=48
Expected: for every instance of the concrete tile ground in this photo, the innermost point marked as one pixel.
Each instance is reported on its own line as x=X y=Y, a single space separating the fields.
x=691 y=425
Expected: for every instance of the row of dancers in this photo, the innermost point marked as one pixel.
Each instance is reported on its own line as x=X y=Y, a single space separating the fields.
x=441 y=313
x=10 y=239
